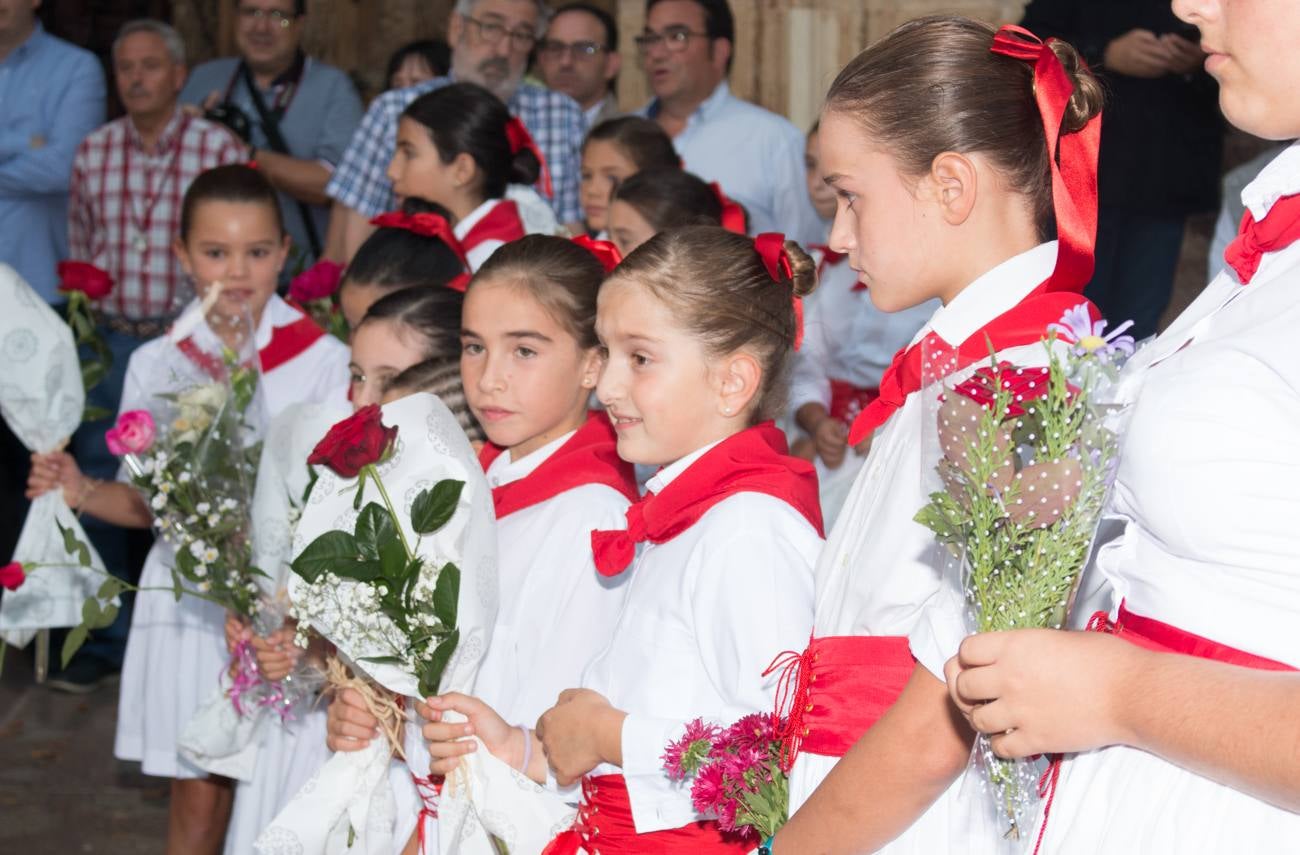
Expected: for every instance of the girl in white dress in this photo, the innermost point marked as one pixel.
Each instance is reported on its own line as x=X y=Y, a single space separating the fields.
x=529 y=361
x=408 y=341
x=459 y=147
x=697 y=325
x=937 y=149
x=231 y=232
x=1183 y=715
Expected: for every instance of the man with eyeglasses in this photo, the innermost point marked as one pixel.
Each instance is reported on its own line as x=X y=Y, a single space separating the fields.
x=295 y=112
x=755 y=155
x=491 y=41
x=579 y=57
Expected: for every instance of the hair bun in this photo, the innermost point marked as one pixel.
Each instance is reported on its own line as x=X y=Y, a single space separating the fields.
x=803 y=270
x=1086 y=102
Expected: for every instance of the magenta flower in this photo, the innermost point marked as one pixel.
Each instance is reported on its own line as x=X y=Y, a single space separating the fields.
x=683 y=757
x=1089 y=337
x=708 y=792
x=754 y=731
x=133 y=433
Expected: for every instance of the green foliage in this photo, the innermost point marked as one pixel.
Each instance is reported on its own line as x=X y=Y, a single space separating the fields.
x=433 y=508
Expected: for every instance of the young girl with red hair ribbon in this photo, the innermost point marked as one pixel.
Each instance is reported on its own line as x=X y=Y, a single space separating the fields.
x=698 y=325
x=1182 y=710
x=938 y=141
x=459 y=147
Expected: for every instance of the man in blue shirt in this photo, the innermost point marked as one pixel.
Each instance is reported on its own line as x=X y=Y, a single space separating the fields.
x=271 y=94
x=755 y=155
x=491 y=41
x=51 y=97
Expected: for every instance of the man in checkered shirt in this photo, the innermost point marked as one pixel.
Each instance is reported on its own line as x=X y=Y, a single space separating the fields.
x=491 y=41
x=128 y=180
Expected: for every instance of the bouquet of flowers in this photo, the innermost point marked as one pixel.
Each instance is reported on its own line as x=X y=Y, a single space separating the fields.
x=737 y=774
x=315 y=291
x=1027 y=455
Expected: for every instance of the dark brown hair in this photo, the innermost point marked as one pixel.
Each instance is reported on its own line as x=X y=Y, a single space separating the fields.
x=234 y=182
x=558 y=273
x=643 y=141
x=933 y=85
x=717 y=287
x=667 y=198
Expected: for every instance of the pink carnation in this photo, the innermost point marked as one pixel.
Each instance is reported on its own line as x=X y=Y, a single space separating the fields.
x=133 y=433
x=317 y=282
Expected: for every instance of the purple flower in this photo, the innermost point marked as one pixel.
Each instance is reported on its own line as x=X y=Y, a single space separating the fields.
x=1089 y=337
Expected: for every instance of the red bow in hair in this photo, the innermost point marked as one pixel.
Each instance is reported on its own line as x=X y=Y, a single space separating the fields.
x=770 y=247
x=425 y=224
x=733 y=216
x=605 y=251
x=1074 y=178
x=520 y=140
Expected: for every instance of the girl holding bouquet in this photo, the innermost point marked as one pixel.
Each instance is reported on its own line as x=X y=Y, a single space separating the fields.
x=459 y=147
x=231 y=234
x=958 y=199
x=408 y=342
x=697 y=327
x=529 y=361
x=1182 y=710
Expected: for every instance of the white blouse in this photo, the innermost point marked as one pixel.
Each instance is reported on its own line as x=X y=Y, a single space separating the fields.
x=555 y=612
x=878 y=573
x=1207 y=493
x=704 y=615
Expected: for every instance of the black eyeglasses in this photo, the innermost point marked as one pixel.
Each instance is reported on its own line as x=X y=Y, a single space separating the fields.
x=552 y=49
x=493 y=33
x=674 y=39
x=255 y=15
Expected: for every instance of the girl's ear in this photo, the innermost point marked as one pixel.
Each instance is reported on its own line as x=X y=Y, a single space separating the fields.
x=463 y=169
x=591 y=365
x=954 y=186
x=740 y=378
x=182 y=254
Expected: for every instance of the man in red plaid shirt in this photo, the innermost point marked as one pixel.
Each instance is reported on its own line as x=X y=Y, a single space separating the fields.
x=128 y=180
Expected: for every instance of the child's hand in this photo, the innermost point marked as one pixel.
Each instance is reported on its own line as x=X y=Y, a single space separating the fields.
x=349 y=726
x=831 y=439
x=53 y=471
x=579 y=733
x=236 y=631
x=804 y=448
x=277 y=654
x=448 y=742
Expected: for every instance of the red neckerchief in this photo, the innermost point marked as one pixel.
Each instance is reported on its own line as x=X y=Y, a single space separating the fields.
x=589 y=456
x=501 y=223
x=1279 y=229
x=752 y=461
x=1024 y=323
x=287 y=342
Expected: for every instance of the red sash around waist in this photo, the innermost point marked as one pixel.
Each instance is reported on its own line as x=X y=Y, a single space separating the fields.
x=1154 y=635
x=848 y=400
x=605 y=824
x=836 y=690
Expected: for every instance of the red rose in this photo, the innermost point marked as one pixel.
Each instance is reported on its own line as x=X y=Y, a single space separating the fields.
x=317 y=282
x=12 y=576
x=86 y=278
x=357 y=441
x=1025 y=385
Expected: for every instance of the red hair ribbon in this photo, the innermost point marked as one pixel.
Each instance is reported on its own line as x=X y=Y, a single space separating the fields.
x=425 y=224
x=520 y=140
x=1074 y=171
x=770 y=247
x=460 y=282
x=605 y=251
x=733 y=216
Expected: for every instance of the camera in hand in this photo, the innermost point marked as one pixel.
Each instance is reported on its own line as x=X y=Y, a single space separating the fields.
x=232 y=117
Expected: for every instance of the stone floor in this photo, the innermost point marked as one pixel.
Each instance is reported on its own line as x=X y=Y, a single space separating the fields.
x=61 y=790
